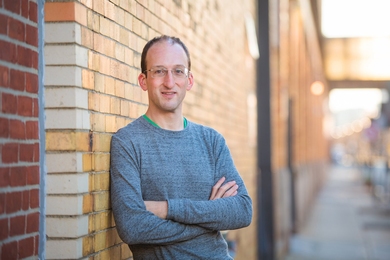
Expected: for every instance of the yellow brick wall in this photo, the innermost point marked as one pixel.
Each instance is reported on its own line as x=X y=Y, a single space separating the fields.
x=112 y=34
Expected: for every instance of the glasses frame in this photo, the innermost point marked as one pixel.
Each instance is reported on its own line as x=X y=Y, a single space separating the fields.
x=186 y=72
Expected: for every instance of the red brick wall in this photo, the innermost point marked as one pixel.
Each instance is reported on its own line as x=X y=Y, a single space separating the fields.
x=19 y=135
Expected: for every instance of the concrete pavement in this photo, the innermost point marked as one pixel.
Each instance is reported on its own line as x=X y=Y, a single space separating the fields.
x=346 y=222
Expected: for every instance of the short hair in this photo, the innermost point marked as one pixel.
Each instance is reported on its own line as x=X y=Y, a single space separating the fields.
x=170 y=39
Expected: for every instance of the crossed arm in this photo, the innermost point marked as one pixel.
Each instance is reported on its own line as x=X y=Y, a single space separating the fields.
x=219 y=190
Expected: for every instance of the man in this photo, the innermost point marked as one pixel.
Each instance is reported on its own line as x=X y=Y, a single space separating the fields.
x=174 y=185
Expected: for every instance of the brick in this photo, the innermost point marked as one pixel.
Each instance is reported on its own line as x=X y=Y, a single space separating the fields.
x=125 y=252
x=57 y=141
x=64 y=205
x=67 y=183
x=4 y=127
x=12 y=6
x=17 y=176
x=10 y=54
x=26 y=200
x=101 y=162
x=36 y=152
x=2 y=204
x=87 y=203
x=65 y=162
x=9 y=103
x=70 y=118
x=63 y=76
x=16 y=30
x=35 y=107
x=100 y=241
x=4 y=23
x=32 y=83
x=100 y=181
x=34 y=59
x=66 y=97
x=17 y=225
x=26 y=247
x=32 y=223
x=33 y=14
x=17 y=80
x=36 y=244
x=66 y=55
x=87 y=245
x=26 y=152
x=34 y=199
x=4 y=177
x=18 y=129
x=101 y=201
x=10 y=153
x=9 y=250
x=25 y=106
x=4 y=76
x=32 y=175
x=64 y=249
x=4 y=228
x=56 y=12
x=31 y=130
x=22 y=56
x=13 y=202
x=88 y=79
x=24 y=9
x=115 y=106
x=63 y=33
x=71 y=227
x=101 y=142
x=101 y=221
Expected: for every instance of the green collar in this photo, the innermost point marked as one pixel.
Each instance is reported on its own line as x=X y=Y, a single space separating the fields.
x=156 y=125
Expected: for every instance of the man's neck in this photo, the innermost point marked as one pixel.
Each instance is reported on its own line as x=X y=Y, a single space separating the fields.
x=168 y=121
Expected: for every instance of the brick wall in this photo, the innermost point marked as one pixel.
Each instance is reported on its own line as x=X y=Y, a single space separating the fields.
x=92 y=54
x=295 y=64
x=19 y=131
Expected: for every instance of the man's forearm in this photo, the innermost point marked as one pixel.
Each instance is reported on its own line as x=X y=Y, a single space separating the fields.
x=219 y=190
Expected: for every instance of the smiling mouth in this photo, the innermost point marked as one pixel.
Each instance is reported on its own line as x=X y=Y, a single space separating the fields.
x=168 y=93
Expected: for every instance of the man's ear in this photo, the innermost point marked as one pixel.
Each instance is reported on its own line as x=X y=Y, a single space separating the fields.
x=142 y=81
x=190 y=81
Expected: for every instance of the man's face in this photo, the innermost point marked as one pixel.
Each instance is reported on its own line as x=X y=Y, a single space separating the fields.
x=165 y=93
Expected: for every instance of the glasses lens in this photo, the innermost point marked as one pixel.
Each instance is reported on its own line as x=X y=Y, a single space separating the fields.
x=180 y=72
x=160 y=72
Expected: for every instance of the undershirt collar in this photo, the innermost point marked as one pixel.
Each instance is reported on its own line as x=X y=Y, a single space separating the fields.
x=156 y=125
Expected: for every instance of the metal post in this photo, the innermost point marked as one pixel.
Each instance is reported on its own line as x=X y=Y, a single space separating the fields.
x=265 y=184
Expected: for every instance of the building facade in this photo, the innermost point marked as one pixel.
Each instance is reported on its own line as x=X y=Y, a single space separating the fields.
x=69 y=81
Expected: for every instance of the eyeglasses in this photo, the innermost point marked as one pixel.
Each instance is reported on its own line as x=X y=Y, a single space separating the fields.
x=160 y=72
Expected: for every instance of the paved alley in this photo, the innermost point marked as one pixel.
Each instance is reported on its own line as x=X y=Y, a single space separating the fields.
x=346 y=222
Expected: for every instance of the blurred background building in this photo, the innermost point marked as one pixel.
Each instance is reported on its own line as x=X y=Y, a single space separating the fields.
x=293 y=85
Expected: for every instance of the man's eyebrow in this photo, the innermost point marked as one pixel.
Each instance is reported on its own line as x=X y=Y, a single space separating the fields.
x=174 y=66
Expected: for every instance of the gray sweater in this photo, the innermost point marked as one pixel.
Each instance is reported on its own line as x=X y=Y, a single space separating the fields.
x=181 y=167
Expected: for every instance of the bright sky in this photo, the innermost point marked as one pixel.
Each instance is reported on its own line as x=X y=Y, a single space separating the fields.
x=355 y=18
x=345 y=99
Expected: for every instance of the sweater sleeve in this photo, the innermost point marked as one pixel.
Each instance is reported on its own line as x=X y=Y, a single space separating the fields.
x=134 y=223
x=221 y=214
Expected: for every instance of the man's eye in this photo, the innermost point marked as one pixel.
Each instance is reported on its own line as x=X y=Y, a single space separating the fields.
x=179 y=71
x=157 y=72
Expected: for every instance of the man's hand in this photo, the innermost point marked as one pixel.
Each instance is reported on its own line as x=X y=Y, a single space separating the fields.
x=229 y=189
x=158 y=208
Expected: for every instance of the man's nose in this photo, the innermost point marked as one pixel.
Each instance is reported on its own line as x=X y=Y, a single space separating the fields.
x=169 y=80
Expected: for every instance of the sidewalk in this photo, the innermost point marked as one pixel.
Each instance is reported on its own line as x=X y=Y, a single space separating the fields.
x=346 y=222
